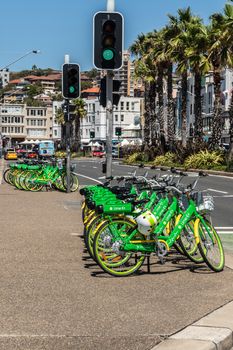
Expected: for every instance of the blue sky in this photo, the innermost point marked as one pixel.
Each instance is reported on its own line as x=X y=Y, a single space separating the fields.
x=58 y=27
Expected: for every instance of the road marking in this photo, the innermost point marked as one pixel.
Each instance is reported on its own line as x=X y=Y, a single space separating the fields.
x=213 y=190
x=94 y=167
x=226 y=196
x=224 y=230
x=90 y=178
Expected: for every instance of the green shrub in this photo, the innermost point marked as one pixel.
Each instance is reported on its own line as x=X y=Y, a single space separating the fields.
x=60 y=154
x=169 y=159
x=135 y=157
x=205 y=160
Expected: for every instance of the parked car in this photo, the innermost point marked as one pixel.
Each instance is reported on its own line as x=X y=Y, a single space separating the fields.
x=21 y=152
x=31 y=155
x=99 y=154
x=10 y=154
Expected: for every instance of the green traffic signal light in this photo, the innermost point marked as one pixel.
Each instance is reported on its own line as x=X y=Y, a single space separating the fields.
x=71 y=89
x=70 y=80
x=108 y=40
x=108 y=54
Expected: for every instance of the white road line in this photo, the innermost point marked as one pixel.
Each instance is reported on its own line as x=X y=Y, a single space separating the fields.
x=224 y=228
x=225 y=233
x=90 y=178
x=224 y=196
x=213 y=190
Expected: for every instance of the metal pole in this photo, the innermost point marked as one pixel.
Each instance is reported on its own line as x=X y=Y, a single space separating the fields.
x=67 y=147
x=110 y=5
x=68 y=127
x=109 y=119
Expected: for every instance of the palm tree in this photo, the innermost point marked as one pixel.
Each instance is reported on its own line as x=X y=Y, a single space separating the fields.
x=220 y=56
x=59 y=118
x=197 y=54
x=79 y=113
x=179 y=45
x=228 y=35
x=145 y=69
x=161 y=52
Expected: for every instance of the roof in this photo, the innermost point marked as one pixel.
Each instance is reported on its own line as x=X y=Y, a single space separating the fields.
x=93 y=90
x=50 y=77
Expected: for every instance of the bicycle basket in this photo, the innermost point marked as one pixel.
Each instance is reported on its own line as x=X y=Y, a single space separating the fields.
x=204 y=202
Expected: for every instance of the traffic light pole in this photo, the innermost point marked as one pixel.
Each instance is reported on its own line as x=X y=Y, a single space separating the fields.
x=67 y=120
x=109 y=119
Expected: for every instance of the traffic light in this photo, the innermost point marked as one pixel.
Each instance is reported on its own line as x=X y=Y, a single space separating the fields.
x=108 y=40
x=115 y=93
x=118 y=131
x=92 y=134
x=72 y=115
x=70 y=80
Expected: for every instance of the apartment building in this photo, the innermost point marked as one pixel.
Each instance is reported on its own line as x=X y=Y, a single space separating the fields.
x=4 y=77
x=126 y=115
x=38 y=122
x=19 y=122
x=208 y=96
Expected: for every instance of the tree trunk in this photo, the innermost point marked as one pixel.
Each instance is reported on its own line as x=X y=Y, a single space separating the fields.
x=198 y=128
x=217 y=119
x=160 y=98
x=170 y=109
x=184 y=89
x=147 y=121
x=230 y=153
x=153 y=119
x=77 y=132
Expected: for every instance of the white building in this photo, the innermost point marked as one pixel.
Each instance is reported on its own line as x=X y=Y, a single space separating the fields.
x=126 y=115
x=19 y=122
x=207 y=104
x=56 y=128
x=4 y=77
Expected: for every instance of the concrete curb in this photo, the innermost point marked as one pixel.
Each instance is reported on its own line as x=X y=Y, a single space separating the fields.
x=210 y=172
x=212 y=332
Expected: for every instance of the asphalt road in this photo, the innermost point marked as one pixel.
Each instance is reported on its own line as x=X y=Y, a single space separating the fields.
x=53 y=296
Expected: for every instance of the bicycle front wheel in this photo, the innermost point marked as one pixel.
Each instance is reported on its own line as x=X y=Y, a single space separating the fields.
x=209 y=244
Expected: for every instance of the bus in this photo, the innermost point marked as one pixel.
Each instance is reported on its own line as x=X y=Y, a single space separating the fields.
x=46 y=148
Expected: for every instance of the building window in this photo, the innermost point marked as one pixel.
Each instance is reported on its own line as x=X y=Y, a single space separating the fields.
x=122 y=106
x=127 y=106
x=132 y=106
x=191 y=108
x=122 y=117
x=116 y=118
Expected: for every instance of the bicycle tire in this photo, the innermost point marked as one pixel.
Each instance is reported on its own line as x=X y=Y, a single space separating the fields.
x=116 y=264
x=210 y=245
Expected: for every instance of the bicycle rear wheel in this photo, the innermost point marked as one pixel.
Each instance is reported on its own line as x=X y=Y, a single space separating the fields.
x=209 y=244
x=112 y=260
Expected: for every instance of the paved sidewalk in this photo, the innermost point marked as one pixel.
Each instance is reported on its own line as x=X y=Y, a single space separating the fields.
x=53 y=296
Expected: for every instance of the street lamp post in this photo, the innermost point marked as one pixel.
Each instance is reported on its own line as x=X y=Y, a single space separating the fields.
x=5 y=67
x=20 y=58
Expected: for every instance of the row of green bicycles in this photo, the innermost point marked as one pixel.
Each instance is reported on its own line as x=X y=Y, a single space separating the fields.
x=35 y=175
x=130 y=218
